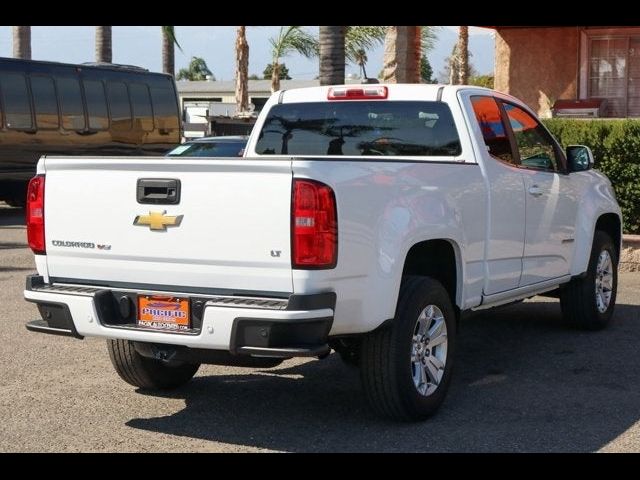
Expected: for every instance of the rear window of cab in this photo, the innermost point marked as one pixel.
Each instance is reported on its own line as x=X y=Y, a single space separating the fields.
x=359 y=128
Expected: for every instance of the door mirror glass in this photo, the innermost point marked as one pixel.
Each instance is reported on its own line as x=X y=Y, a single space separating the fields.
x=579 y=158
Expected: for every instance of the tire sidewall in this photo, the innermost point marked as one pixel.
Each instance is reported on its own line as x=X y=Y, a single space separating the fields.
x=406 y=319
x=601 y=242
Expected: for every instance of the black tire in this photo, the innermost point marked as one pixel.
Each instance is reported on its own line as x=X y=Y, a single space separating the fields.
x=385 y=359
x=147 y=373
x=578 y=298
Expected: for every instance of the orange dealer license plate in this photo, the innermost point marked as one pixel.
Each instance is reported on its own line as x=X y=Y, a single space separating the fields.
x=165 y=313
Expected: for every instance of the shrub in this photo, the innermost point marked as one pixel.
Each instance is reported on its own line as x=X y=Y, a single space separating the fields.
x=616 y=149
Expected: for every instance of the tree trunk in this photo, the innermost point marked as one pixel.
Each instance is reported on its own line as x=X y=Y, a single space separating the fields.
x=275 y=77
x=401 y=62
x=22 y=42
x=332 y=55
x=463 y=56
x=103 y=45
x=168 y=54
x=242 y=70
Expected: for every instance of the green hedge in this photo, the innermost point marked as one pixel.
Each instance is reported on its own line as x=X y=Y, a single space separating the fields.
x=616 y=148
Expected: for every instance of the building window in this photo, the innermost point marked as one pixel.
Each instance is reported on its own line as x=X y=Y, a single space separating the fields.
x=614 y=73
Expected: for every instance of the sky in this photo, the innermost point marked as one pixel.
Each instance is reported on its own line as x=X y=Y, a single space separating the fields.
x=141 y=46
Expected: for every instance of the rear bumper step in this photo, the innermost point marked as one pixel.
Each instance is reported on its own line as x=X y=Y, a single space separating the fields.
x=315 y=351
x=41 y=326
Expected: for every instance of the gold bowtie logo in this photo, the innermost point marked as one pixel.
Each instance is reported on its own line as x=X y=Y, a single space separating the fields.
x=158 y=220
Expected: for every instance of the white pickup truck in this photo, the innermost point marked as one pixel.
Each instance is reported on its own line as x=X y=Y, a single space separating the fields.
x=363 y=218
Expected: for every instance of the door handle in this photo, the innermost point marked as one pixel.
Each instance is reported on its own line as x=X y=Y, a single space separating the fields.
x=535 y=190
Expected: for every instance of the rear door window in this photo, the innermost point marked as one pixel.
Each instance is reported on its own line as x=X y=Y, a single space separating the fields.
x=360 y=128
x=71 y=103
x=17 y=105
x=141 y=103
x=119 y=105
x=45 y=102
x=165 y=108
x=96 y=105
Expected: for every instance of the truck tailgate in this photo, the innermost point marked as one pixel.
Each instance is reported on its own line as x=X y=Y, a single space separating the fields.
x=232 y=232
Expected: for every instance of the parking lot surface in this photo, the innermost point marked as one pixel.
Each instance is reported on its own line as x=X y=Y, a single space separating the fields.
x=522 y=382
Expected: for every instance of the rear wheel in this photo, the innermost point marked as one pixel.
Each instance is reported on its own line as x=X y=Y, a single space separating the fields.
x=588 y=302
x=147 y=373
x=406 y=366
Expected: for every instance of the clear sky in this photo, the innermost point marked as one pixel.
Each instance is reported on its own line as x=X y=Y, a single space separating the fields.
x=142 y=46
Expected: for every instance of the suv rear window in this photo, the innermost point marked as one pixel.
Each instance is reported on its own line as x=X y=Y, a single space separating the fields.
x=359 y=128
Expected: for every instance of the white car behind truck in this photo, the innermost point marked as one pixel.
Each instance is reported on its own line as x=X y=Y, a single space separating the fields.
x=363 y=219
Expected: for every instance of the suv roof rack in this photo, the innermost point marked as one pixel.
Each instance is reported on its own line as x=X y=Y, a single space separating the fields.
x=115 y=65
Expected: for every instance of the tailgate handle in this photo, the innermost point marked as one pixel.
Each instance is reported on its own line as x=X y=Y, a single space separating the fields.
x=158 y=191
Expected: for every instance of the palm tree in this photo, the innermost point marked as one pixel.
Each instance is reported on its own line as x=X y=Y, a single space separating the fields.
x=197 y=70
x=290 y=39
x=402 y=45
x=22 y=42
x=361 y=60
x=103 y=45
x=168 y=51
x=362 y=38
x=463 y=56
x=242 y=70
x=332 y=55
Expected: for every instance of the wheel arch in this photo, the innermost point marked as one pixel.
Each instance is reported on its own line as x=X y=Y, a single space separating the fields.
x=440 y=259
x=609 y=222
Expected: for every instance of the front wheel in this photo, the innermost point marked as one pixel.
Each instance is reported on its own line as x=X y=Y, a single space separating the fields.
x=588 y=302
x=406 y=366
x=147 y=373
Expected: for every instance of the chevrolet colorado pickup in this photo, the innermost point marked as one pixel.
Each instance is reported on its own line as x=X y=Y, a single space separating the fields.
x=362 y=218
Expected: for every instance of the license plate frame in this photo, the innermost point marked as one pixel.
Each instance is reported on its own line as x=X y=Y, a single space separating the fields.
x=164 y=313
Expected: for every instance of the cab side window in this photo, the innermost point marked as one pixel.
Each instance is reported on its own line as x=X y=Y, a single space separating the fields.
x=493 y=129
x=535 y=147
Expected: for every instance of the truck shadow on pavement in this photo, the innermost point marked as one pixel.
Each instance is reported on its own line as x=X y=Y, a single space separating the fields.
x=522 y=382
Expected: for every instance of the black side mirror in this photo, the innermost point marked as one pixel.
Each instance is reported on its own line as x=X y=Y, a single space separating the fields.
x=579 y=158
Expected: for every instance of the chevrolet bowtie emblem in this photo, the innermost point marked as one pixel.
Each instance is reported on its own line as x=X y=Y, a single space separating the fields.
x=158 y=220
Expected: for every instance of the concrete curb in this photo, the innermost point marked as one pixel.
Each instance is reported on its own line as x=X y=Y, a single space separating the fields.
x=630 y=255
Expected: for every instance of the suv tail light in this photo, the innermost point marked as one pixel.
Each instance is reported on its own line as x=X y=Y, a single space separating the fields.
x=314 y=226
x=35 y=214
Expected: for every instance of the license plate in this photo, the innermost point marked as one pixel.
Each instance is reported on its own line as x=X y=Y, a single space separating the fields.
x=166 y=313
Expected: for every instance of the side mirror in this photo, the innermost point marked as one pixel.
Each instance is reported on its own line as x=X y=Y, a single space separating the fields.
x=579 y=158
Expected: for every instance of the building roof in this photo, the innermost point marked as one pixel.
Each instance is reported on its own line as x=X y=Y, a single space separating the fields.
x=229 y=87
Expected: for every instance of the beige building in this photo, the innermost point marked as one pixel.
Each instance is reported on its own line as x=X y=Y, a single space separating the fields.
x=541 y=65
x=220 y=98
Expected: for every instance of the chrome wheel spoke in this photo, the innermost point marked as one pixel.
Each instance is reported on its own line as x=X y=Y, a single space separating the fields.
x=440 y=339
x=604 y=281
x=428 y=350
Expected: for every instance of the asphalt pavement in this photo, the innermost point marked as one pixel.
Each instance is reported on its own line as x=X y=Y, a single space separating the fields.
x=522 y=383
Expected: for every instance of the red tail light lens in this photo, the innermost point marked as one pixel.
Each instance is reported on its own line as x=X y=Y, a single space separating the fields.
x=358 y=93
x=314 y=226
x=35 y=214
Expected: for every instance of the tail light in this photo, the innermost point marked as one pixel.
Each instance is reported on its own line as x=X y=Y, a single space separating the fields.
x=314 y=226
x=35 y=214
x=358 y=93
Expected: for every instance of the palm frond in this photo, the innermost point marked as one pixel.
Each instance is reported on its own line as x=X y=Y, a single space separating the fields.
x=362 y=38
x=295 y=39
x=170 y=32
x=429 y=37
